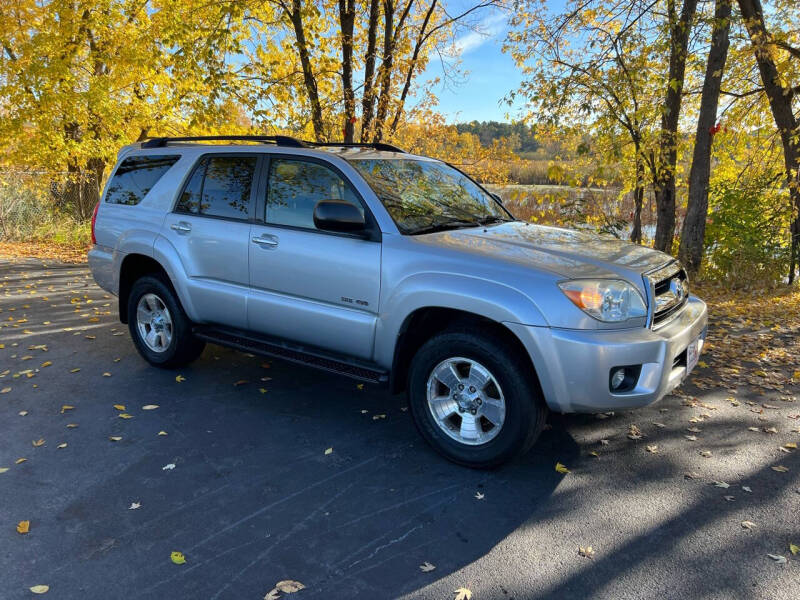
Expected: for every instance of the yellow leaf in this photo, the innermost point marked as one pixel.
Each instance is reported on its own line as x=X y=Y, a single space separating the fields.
x=65 y=408
x=3 y=469
x=114 y=438
x=106 y=374
x=289 y=586
x=780 y=469
x=162 y=433
x=178 y=558
x=561 y=468
x=40 y=589
x=180 y=378
x=328 y=451
x=125 y=416
x=23 y=527
x=71 y=425
x=240 y=382
x=588 y=551
x=46 y=363
x=150 y=407
x=462 y=594
x=19 y=461
x=37 y=443
x=74 y=370
x=62 y=446
x=119 y=406
x=794 y=549
x=262 y=390
x=790 y=445
x=5 y=390
x=360 y=386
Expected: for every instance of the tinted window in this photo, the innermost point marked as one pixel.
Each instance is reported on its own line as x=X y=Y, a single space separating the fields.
x=136 y=176
x=295 y=187
x=220 y=187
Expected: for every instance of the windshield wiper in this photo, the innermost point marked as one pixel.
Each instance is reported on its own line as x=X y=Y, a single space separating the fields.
x=444 y=226
x=492 y=219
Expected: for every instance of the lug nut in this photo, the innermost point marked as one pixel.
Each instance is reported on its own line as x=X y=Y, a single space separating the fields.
x=472 y=389
x=460 y=386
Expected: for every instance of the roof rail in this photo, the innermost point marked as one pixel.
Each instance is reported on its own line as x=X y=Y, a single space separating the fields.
x=278 y=140
x=375 y=145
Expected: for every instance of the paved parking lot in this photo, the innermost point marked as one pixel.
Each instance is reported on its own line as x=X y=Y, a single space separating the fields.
x=254 y=496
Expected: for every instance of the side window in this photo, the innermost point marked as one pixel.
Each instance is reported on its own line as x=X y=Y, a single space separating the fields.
x=220 y=187
x=136 y=176
x=295 y=187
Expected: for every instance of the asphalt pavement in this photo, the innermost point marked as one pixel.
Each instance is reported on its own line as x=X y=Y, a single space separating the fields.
x=259 y=471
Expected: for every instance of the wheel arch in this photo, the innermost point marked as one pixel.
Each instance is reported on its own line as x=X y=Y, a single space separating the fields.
x=133 y=267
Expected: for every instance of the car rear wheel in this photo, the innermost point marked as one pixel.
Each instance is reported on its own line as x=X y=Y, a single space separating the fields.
x=161 y=331
x=474 y=399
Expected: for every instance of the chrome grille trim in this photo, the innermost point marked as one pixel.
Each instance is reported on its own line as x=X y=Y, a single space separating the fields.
x=669 y=292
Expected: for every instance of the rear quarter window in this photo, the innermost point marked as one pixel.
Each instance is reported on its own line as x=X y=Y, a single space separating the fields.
x=136 y=176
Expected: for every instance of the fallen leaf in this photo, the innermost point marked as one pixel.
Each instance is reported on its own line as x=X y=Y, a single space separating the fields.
x=289 y=586
x=262 y=390
x=119 y=407
x=162 y=433
x=23 y=527
x=168 y=467
x=595 y=454
x=780 y=469
x=150 y=407
x=180 y=378
x=781 y=560
x=659 y=425
x=791 y=446
x=604 y=442
x=74 y=370
x=106 y=374
x=794 y=549
x=66 y=407
x=19 y=461
x=462 y=594
x=360 y=386
x=770 y=430
x=115 y=438
x=46 y=363
x=61 y=446
x=5 y=390
x=479 y=496
x=37 y=443
x=653 y=449
x=730 y=498
x=722 y=484
x=561 y=468
x=125 y=416
x=691 y=438
x=177 y=557
x=747 y=489
x=134 y=505
x=754 y=429
x=634 y=432
x=588 y=551
x=3 y=469
x=22 y=413
x=376 y=417
x=71 y=425
x=748 y=524
x=328 y=451
x=426 y=567
x=705 y=453
x=39 y=589
x=694 y=429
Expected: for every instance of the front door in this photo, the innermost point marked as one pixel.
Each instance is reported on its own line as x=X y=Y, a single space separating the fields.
x=313 y=287
x=210 y=230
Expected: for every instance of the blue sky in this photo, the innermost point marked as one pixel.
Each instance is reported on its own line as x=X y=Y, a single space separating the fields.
x=490 y=75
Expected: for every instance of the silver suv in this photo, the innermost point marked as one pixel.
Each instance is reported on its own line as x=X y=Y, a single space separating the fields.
x=393 y=268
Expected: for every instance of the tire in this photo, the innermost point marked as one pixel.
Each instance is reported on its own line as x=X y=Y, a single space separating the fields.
x=512 y=380
x=174 y=343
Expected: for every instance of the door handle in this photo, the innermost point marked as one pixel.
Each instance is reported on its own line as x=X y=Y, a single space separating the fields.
x=181 y=226
x=266 y=240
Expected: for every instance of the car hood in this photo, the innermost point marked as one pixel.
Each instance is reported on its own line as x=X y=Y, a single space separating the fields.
x=565 y=252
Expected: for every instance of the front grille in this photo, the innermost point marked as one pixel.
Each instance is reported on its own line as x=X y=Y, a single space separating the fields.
x=670 y=287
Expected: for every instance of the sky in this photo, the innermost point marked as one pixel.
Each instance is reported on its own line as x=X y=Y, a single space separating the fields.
x=490 y=75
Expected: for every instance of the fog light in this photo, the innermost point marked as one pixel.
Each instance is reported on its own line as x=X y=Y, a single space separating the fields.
x=617 y=378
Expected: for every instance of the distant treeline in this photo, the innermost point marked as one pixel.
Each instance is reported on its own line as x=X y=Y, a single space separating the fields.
x=522 y=136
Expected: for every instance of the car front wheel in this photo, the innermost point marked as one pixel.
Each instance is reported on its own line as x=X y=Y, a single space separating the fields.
x=474 y=399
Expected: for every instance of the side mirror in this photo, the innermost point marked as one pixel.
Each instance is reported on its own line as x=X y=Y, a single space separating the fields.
x=335 y=215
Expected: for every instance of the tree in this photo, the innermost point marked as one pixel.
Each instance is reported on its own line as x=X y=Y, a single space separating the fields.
x=694 y=223
x=781 y=93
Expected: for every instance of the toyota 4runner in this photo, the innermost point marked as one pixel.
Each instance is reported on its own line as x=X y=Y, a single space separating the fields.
x=388 y=267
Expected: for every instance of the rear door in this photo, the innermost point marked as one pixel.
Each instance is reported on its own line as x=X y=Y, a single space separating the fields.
x=314 y=287
x=210 y=229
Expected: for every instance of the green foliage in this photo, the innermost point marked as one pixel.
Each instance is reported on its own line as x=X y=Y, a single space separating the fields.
x=747 y=244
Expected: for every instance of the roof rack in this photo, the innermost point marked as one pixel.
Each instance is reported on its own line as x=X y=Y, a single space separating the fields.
x=278 y=140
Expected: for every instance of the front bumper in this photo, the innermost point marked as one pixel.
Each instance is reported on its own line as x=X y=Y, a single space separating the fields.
x=574 y=365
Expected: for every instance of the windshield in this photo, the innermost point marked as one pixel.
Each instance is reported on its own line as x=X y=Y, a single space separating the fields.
x=424 y=196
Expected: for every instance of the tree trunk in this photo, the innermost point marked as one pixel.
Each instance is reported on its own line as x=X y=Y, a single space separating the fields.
x=368 y=98
x=347 y=18
x=664 y=183
x=780 y=101
x=638 y=197
x=385 y=71
x=310 y=81
x=694 y=224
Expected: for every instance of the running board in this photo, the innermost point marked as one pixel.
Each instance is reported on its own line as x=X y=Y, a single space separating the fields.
x=249 y=342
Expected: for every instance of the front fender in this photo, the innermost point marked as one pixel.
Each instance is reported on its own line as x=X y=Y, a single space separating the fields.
x=492 y=300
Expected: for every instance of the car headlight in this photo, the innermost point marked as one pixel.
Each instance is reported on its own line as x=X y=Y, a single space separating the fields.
x=608 y=300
